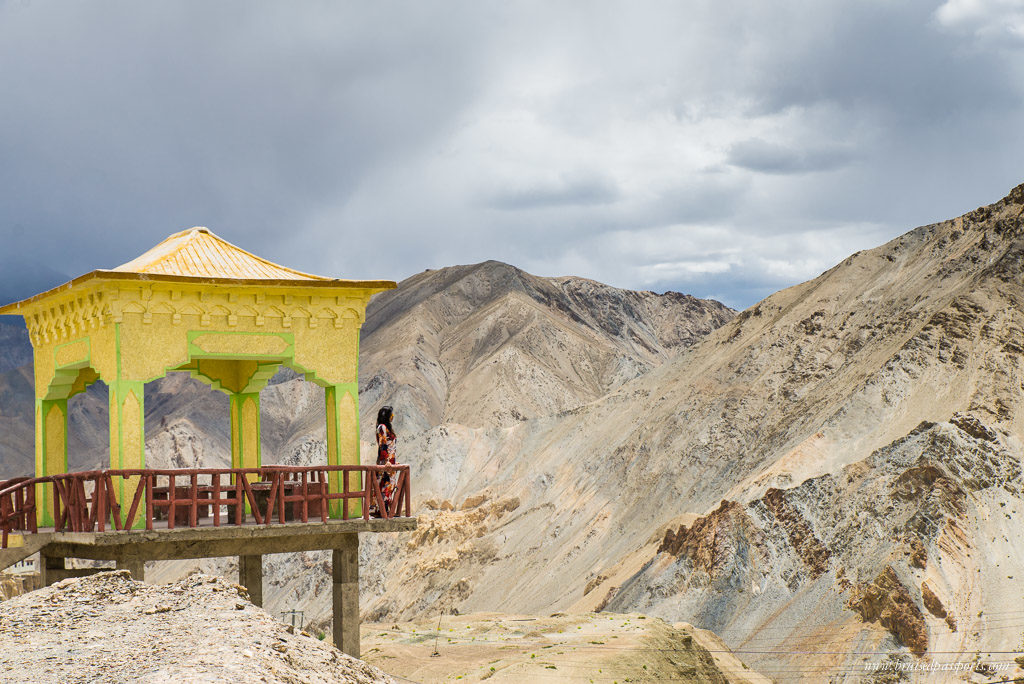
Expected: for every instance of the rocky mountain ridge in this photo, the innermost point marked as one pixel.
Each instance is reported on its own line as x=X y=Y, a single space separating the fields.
x=489 y=345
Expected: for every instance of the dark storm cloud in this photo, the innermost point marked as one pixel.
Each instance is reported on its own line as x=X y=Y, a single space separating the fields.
x=124 y=122
x=727 y=148
x=584 y=190
x=761 y=155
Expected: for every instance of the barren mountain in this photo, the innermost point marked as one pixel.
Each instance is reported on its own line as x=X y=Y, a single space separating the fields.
x=17 y=420
x=15 y=349
x=828 y=379
x=490 y=345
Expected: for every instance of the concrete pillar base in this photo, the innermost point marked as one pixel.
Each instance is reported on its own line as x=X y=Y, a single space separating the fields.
x=250 y=576
x=51 y=569
x=345 y=571
x=136 y=566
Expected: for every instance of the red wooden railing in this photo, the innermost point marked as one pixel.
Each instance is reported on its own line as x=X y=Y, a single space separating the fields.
x=88 y=501
x=17 y=507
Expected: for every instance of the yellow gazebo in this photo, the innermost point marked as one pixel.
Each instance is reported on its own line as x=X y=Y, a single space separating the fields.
x=200 y=304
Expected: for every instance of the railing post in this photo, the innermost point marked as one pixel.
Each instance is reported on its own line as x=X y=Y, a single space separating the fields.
x=170 y=502
x=71 y=486
x=193 y=514
x=408 y=491
x=280 y=498
x=84 y=519
x=323 y=495
x=81 y=506
x=17 y=508
x=99 y=502
x=367 y=478
x=305 y=496
x=344 y=501
x=31 y=510
x=215 y=481
x=58 y=523
x=5 y=515
x=150 y=482
x=240 y=501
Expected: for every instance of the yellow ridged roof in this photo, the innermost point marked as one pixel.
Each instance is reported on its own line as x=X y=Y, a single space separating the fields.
x=198 y=256
x=198 y=253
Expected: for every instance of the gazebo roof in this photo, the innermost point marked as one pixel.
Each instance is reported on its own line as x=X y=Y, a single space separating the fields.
x=199 y=256
x=198 y=253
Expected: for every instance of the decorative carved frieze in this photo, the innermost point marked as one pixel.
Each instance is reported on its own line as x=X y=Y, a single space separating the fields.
x=111 y=303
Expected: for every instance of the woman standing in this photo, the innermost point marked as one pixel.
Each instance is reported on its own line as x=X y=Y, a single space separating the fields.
x=385 y=455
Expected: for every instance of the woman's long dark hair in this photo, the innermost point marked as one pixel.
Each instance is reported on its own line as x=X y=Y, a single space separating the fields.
x=384 y=417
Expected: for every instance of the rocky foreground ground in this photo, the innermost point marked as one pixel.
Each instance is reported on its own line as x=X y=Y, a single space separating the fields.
x=109 y=628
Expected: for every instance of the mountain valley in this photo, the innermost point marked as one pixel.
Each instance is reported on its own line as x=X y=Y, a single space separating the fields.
x=831 y=475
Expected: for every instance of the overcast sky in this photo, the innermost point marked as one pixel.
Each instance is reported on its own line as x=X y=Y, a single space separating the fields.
x=724 y=149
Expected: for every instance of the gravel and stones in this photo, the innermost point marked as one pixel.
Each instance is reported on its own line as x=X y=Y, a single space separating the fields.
x=109 y=628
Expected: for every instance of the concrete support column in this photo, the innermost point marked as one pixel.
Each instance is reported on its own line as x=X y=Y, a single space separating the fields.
x=51 y=569
x=345 y=569
x=342 y=406
x=51 y=452
x=250 y=576
x=135 y=565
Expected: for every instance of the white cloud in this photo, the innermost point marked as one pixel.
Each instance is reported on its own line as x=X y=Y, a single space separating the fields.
x=984 y=18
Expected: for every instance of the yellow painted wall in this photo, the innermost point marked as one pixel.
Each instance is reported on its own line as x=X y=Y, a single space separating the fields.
x=128 y=332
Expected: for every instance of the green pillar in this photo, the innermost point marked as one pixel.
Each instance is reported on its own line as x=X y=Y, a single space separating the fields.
x=51 y=452
x=342 y=404
x=127 y=437
x=245 y=430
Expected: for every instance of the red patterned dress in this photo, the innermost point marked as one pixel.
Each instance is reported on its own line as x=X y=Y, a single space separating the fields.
x=386 y=456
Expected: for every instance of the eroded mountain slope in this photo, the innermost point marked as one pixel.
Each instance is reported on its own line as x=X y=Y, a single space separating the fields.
x=914 y=546
x=808 y=382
